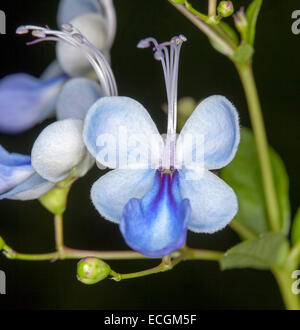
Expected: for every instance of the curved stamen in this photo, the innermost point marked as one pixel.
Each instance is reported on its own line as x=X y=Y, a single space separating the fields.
x=73 y=37
x=168 y=53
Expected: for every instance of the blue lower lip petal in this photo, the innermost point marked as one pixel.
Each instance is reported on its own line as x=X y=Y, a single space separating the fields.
x=156 y=225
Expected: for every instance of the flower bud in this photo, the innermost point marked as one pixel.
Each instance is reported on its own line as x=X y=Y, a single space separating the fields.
x=91 y=270
x=55 y=200
x=241 y=22
x=225 y=8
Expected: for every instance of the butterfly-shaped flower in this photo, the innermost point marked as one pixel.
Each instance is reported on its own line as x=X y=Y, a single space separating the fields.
x=160 y=187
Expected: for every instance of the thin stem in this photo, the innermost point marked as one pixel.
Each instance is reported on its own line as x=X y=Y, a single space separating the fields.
x=162 y=267
x=247 y=78
x=285 y=282
x=241 y=230
x=204 y=28
x=59 y=232
x=196 y=12
x=293 y=259
x=171 y=261
x=196 y=254
x=69 y=253
x=105 y=255
x=212 y=8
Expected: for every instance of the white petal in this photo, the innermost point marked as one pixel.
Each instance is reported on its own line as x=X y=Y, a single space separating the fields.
x=113 y=190
x=119 y=133
x=58 y=149
x=214 y=130
x=213 y=202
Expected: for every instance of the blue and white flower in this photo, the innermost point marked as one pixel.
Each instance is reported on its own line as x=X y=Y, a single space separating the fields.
x=155 y=204
x=59 y=150
x=26 y=100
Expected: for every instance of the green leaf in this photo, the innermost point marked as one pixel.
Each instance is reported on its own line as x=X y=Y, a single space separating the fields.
x=243 y=53
x=296 y=228
x=178 y=2
x=244 y=176
x=252 y=14
x=2 y=243
x=267 y=251
x=232 y=34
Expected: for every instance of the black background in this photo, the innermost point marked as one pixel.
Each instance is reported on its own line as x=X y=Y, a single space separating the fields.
x=27 y=227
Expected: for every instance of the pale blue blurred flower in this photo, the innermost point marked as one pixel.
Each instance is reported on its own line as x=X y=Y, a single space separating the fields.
x=18 y=179
x=25 y=100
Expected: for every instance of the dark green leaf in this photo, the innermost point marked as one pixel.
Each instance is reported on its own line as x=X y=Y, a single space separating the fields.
x=244 y=176
x=267 y=251
x=252 y=14
x=178 y=2
x=296 y=228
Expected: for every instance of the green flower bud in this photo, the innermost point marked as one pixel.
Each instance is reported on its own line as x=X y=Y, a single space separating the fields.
x=179 y=2
x=241 y=22
x=91 y=270
x=55 y=200
x=225 y=8
x=2 y=243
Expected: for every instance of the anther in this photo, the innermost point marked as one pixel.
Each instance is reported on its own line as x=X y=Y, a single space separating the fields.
x=144 y=43
x=38 y=34
x=67 y=27
x=22 y=30
x=78 y=37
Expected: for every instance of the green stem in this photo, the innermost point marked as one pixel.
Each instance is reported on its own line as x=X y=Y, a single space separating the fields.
x=68 y=253
x=162 y=267
x=196 y=254
x=174 y=259
x=105 y=255
x=285 y=282
x=201 y=25
x=247 y=78
x=59 y=232
x=294 y=257
x=241 y=230
x=212 y=8
x=190 y=8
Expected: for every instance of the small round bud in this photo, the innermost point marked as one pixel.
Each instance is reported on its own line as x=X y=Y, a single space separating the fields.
x=2 y=243
x=225 y=8
x=91 y=270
